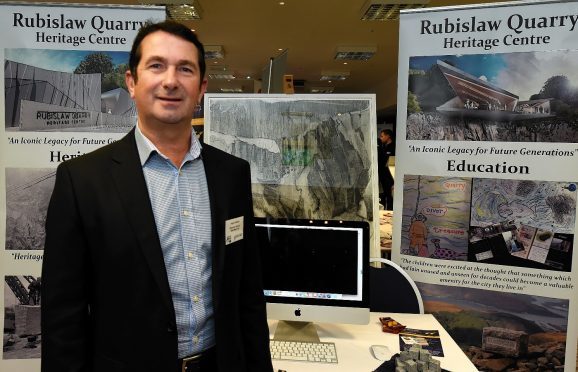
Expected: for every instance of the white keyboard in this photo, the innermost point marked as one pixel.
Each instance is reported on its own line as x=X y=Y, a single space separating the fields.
x=322 y=352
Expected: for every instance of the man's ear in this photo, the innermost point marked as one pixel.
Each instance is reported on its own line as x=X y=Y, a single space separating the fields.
x=130 y=82
x=204 y=85
x=202 y=91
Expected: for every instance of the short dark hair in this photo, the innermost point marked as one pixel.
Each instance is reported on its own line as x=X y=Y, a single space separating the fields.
x=389 y=132
x=171 y=27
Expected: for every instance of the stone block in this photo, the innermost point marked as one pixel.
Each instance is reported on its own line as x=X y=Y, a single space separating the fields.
x=435 y=365
x=421 y=365
x=424 y=355
x=411 y=366
x=414 y=352
x=505 y=341
x=404 y=355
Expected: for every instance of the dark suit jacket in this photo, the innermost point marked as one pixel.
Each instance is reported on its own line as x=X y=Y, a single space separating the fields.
x=106 y=301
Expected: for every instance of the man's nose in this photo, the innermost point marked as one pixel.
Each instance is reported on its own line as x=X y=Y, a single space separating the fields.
x=170 y=78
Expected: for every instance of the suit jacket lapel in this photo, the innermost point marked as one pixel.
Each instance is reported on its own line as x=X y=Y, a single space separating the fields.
x=218 y=214
x=127 y=174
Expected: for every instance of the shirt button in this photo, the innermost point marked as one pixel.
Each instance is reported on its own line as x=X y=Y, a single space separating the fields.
x=196 y=339
x=196 y=298
x=186 y=213
x=190 y=255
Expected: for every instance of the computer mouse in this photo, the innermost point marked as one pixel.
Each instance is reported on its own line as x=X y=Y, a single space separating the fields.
x=380 y=352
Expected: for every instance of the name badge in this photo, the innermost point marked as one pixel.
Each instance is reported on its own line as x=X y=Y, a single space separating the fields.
x=233 y=230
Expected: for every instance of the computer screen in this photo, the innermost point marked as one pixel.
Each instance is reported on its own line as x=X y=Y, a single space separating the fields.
x=315 y=270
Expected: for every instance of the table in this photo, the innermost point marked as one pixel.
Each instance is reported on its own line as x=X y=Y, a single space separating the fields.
x=353 y=341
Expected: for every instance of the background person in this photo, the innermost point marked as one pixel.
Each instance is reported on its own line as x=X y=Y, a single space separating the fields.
x=385 y=149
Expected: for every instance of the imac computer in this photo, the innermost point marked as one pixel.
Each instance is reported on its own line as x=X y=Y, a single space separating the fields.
x=314 y=271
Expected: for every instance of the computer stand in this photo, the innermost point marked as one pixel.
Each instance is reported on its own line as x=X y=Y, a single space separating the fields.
x=296 y=331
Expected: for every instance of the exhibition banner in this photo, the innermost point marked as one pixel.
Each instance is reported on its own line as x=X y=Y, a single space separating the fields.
x=487 y=175
x=63 y=96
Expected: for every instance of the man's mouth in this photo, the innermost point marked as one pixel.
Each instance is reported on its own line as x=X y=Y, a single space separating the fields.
x=169 y=99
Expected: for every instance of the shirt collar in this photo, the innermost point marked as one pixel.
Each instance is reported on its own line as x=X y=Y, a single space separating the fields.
x=145 y=146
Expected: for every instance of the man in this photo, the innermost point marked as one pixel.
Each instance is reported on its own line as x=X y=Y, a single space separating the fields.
x=150 y=260
x=384 y=151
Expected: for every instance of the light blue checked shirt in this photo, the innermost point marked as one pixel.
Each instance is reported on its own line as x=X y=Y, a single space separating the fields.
x=180 y=203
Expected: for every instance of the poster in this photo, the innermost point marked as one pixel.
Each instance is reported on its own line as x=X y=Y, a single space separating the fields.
x=63 y=96
x=311 y=156
x=429 y=340
x=487 y=175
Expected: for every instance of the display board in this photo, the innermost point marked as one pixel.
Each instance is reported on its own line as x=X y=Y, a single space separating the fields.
x=311 y=156
x=486 y=177
x=63 y=96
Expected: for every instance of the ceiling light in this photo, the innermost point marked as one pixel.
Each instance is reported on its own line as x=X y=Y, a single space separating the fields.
x=217 y=69
x=214 y=52
x=355 y=53
x=231 y=90
x=385 y=10
x=322 y=89
x=334 y=75
x=218 y=76
x=183 y=12
x=178 y=10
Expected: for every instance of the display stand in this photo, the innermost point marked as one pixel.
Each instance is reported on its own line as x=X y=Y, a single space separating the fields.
x=296 y=331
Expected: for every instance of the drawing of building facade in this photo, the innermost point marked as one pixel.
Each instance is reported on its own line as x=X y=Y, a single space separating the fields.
x=475 y=97
x=37 y=99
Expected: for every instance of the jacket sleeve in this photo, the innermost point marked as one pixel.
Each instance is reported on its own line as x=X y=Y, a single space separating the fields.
x=253 y=312
x=65 y=288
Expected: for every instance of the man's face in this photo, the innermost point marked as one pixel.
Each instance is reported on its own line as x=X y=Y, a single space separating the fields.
x=384 y=138
x=169 y=84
